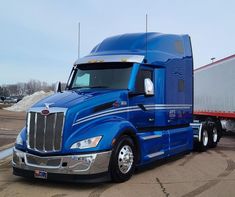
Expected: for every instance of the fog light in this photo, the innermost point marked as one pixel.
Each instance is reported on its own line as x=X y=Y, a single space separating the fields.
x=83 y=162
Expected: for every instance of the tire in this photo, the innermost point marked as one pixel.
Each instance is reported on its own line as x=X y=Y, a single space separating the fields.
x=204 y=142
x=214 y=136
x=220 y=130
x=122 y=163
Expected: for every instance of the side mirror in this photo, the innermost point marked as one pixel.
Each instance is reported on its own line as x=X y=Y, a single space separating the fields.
x=58 y=87
x=3 y=98
x=148 y=87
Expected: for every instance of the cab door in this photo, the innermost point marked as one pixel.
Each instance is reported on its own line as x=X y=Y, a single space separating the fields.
x=139 y=102
x=154 y=140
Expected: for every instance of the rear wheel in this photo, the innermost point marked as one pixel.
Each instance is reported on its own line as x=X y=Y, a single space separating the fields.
x=214 y=137
x=122 y=164
x=205 y=138
x=204 y=142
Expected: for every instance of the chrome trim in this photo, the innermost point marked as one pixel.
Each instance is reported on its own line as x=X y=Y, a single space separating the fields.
x=47 y=105
x=110 y=58
x=52 y=110
x=199 y=127
x=61 y=135
x=35 y=129
x=125 y=159
x=151 y=137
x=155 y=154
x=44 y=132
x=200 y=133
x=76 y=164
x=54 y=132
x=28 y=126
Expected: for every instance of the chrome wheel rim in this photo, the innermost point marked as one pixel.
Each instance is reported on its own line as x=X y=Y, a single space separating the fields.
x=125 y=159
x=215 y=135
x=205 y=138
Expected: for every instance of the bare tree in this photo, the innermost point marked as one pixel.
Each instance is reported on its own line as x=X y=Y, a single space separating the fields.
x=22 y=89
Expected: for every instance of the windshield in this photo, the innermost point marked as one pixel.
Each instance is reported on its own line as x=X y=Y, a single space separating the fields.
x=102 y=75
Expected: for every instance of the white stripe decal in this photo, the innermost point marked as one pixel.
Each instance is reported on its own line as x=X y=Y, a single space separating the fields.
x=107 y=111
x=168 y=105
x=149 y=108
x=106 y=114
x=131 y=109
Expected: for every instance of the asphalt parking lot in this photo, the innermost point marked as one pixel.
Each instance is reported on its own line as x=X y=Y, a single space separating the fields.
x=10 y=125
x=210 y=173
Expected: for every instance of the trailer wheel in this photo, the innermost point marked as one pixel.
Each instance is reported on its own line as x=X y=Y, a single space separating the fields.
x=122 y=164
x=204 y=142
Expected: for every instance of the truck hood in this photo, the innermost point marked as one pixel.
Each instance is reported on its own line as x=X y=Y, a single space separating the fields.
x=70 y=99
x=80 y=104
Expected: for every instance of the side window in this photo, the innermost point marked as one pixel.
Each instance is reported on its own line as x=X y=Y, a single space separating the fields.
x=142 y=74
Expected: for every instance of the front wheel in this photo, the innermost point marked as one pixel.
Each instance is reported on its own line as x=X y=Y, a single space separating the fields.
x=122 y=164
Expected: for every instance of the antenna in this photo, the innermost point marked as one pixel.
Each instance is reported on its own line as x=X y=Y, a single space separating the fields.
x=146 y=37
x=79 y=40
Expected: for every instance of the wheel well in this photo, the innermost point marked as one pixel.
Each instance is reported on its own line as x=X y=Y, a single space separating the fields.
x=210 y=120
x=133 y=136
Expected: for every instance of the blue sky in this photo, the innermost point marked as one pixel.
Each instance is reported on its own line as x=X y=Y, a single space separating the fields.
x=38 y=39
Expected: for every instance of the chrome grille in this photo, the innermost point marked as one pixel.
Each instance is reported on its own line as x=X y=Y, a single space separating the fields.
x=43 y=161
x=45 y=131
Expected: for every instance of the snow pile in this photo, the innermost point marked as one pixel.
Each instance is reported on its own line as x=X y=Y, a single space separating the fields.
x=28 y=101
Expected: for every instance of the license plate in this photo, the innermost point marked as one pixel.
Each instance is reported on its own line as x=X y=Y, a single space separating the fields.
x=41 y=174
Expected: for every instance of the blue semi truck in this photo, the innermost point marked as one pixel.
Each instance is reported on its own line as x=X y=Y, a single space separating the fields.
x=127 y=104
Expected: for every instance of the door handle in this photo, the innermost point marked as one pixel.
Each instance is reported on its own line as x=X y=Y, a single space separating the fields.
x=141 y=106
x=151 y=119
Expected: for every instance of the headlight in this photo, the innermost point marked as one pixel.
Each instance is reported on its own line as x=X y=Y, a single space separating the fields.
x=19 y=140
x=87 y=143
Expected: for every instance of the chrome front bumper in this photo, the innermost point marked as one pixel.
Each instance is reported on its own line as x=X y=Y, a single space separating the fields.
x=84 y=164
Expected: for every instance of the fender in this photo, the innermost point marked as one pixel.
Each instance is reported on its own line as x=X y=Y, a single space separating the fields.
x=23 y=134
x=110 y=128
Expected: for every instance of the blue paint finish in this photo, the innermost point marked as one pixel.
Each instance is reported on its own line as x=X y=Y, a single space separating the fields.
x=109 y=128
x=133 y=76
x=180 y=140
x=161 y=47
x=23 y=134
x=170 y=59
x=150 y=146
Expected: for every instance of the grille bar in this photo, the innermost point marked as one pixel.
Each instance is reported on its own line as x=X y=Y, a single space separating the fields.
x=43 y=161
x=45 y=132
x=35 y=129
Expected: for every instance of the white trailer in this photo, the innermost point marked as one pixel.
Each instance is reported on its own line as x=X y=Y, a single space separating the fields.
x=214 y=95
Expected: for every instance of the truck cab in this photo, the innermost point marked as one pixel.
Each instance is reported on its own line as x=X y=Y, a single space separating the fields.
x=126 y=104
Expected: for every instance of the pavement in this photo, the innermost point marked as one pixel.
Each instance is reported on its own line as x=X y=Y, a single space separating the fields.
x=210 y=173
x=10 y=125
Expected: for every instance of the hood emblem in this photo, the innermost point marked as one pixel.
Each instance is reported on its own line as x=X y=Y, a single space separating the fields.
x=48 y=105
x=46 y=111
